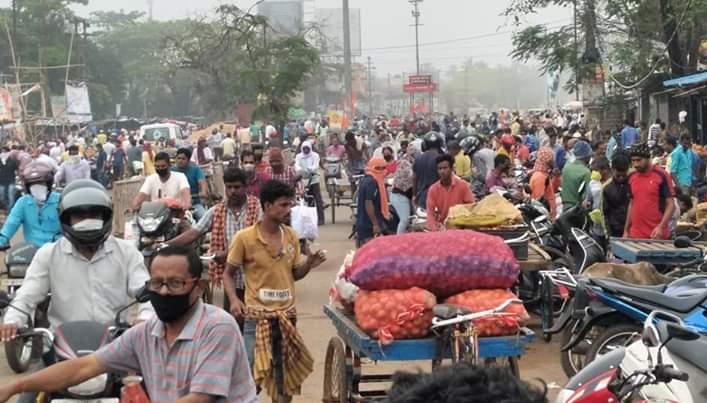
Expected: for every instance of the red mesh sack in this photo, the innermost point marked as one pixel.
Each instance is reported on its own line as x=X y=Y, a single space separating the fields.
x=444 y=263
x=504 y=324
x=395 y=314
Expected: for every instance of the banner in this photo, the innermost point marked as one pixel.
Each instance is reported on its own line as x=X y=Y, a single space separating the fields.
x=78 y=104
x=5 y=105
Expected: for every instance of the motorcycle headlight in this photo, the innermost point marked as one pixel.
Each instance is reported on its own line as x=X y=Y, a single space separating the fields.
x=91 y=387
x=18 y=271
x=149 y=224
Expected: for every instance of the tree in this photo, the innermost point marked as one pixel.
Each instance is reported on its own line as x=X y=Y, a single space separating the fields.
x=242 y=59
x=638 y=37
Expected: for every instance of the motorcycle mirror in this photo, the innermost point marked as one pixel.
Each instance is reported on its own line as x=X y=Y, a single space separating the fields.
x=650 y=337
x=4 y=300
x=683 y=242
x=143 y=295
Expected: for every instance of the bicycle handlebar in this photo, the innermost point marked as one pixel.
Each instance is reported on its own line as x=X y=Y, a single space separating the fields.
x=437 y=322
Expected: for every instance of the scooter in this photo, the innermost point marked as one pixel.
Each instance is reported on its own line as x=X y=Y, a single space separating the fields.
x=667 y=364
x=21 y=352
x=76 y=339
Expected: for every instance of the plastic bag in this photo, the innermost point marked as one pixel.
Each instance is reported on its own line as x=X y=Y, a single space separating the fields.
x=304 y=221
x=342 y=291
x=505 y=324
x=492 y=211
x=395 y=314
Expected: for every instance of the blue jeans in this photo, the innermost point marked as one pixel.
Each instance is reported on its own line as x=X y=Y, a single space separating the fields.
x=7 y=195
x=276 y=338
x=402 y=206
x=199 y=211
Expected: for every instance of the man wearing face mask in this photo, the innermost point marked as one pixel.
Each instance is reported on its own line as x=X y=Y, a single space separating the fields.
x=98 y=273
x=73 y=169
x=164 y=184
x=240 y=210
x=36 y=212
x=203 y=342
x=307 y=165
x=252 y=178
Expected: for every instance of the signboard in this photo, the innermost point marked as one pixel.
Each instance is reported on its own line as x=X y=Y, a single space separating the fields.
x=78 y=105
x=286 y=17
x=420 y=79
x=330 y=22
x=413 y=88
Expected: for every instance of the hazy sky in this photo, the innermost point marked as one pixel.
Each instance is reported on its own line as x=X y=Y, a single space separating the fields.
x=386 y=23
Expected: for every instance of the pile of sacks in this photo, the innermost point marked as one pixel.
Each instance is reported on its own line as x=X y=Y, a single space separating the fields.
x=392 y=283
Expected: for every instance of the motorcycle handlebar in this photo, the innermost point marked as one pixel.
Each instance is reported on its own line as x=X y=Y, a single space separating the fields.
x=669 y=373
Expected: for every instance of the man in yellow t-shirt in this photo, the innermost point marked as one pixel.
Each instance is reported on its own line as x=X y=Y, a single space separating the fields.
x=269 y=255
x=462 y=162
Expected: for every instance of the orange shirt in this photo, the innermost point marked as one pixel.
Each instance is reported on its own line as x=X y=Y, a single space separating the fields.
x=440 y=199
x=538 y=190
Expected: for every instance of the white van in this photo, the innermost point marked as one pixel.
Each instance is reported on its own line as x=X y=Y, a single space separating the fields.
x=169 y=131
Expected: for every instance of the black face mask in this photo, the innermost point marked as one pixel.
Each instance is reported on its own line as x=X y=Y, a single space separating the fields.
x=388 y=158
x=163 y=173
x=169 y=308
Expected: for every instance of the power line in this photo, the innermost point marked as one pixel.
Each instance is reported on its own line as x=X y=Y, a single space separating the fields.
x=468 y=38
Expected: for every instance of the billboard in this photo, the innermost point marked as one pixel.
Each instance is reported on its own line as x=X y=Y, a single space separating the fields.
x=285 y=17
x=330 y=22
x=78 y=105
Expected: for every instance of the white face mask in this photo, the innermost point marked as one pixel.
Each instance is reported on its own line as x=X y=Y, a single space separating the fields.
x=39 y=193
x=89 y=224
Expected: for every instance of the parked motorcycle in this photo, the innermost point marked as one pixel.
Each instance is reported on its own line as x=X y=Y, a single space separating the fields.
x=667 y=364
x=20 y=352
x=76 y=339
x=607 y=312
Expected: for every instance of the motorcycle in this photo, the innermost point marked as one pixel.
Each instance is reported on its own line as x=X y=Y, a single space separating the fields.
x=667 y=364
x=158 y=222
x=21 y=352
x=76 y=339
x=607 y=312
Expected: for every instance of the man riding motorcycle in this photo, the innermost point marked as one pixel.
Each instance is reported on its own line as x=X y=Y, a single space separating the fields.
x=90 y=273
x=37 y=211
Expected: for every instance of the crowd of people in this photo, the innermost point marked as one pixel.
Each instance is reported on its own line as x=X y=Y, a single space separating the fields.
x=632 y=183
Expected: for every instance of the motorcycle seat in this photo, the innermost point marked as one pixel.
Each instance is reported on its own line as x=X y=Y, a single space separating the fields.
x=652 y=295
x=693 y=351
x=448 y=311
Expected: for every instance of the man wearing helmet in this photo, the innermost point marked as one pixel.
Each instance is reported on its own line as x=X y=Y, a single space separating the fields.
x=90 y=273
x=36 y=211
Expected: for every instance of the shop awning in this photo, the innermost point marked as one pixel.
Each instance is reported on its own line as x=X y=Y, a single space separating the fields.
x=692 y=79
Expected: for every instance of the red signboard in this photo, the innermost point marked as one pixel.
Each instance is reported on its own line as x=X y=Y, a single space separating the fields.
x=411 y=88
x=420 y=79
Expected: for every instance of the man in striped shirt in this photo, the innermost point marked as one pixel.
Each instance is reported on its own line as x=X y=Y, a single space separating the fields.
x=191 y=352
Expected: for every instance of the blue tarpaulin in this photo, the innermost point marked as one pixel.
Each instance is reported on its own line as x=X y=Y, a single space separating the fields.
x=692 y=79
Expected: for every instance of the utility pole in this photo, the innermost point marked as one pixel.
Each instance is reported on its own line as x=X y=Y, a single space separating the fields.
x=150 y=7
x=348 y=79
x=14 y=21
x=576 y=53
x=370 y=86
x=416 y=16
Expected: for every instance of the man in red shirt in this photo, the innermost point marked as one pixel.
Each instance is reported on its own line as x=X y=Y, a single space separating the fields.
x=651 y=193
x=447 y=192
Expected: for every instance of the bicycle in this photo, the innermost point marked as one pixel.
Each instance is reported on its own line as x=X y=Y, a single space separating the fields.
x=455 y=330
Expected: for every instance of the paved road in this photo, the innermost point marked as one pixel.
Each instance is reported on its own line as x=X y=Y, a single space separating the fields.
x=541 y=362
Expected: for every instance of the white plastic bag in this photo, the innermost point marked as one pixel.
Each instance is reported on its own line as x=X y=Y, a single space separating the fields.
x=304 y=221
x=342 y=291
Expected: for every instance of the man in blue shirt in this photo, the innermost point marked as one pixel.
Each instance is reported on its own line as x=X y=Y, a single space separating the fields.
x=197 y=181
x=629 y=135
x=682 y=164
x=37 y=211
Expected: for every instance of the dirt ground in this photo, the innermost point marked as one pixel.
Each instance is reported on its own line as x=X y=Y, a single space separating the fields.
x=541 y=361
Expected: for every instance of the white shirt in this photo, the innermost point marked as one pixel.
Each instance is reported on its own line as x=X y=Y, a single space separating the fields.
x=56 y=153
x=207 y=154
x=156 y=189
x=108 y=148
x=49 y=161
x=81 y=289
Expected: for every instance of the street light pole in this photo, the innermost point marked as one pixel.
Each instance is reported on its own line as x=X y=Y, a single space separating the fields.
x=348 y=79
x=370 y=86
x=576 y=53
x=416 y=16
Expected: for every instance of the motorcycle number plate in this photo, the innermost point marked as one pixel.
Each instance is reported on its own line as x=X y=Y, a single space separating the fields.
x=11 y=282
x=106 y=400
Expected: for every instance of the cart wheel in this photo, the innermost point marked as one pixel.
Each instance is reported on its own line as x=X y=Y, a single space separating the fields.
x=511 y=363
x=336 y=382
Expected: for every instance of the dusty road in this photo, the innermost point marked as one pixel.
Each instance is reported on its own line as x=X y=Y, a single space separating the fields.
x=541 y=362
